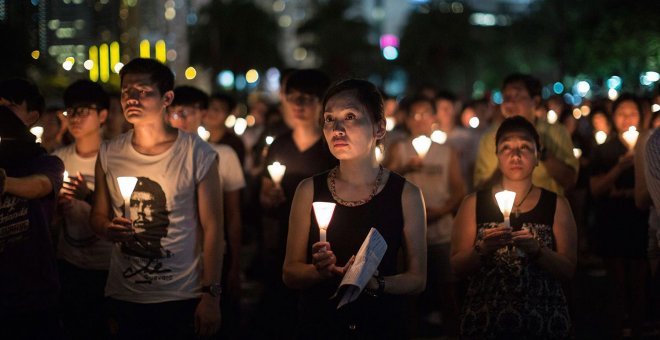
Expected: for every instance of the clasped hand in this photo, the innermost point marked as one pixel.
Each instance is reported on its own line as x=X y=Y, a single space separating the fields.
x=495 y=238
x=325 y=262
x=74 y=188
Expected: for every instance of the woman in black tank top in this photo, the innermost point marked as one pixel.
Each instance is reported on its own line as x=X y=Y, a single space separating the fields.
x=514 y=273
x=366 y=195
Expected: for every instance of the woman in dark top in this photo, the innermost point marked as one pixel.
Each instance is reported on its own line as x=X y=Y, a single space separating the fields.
x=367 y=195
x=621 y=228
x=514 y=272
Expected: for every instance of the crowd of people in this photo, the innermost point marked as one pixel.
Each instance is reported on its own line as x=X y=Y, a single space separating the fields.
x=146 y=215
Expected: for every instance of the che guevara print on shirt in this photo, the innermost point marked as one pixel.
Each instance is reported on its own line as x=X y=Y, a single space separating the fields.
x=150 y=221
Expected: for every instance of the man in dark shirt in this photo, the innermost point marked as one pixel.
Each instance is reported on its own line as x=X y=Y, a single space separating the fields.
x=29 y=182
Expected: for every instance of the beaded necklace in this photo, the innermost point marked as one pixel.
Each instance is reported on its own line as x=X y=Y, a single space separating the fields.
x=333 y=174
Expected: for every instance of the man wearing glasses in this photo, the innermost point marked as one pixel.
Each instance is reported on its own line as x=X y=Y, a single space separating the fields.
x=83 y=258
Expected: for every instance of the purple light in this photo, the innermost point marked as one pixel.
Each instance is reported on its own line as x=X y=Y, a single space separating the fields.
x=389 y=40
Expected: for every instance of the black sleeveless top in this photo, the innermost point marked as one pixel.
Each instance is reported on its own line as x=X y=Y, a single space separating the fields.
x=510 y=297
x=366 y=317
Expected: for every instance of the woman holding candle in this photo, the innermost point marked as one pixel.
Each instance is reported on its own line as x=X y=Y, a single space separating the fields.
x=366 y=196
x=622 y=228
x=514 y=273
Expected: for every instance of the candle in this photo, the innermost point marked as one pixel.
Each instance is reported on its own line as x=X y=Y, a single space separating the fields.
x=577 y=152
x=203 y=133
x=630 y=137
x=240 y=126
x=379 y=153
x=422 y=145
x=276 y=171
x=552 y=116
x=269 y=140
x=439 y=136
x=390 y=122
x=601 y=137
x=505 y=201
x=37 y=131
x=65 y=176
x=323 y=212
x=126 y=186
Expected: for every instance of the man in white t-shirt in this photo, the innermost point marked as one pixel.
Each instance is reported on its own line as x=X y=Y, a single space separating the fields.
x=83 y=258
x=186 y=112
x=165 y=267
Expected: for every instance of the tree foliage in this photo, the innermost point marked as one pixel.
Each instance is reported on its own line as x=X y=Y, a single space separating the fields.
x=341 y=43
x=235 y=35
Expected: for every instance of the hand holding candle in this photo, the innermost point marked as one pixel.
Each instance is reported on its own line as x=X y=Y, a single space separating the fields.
x=323 y=212
x=422 y=144
x=276 y=171
x=630 y=137
x=126 y=186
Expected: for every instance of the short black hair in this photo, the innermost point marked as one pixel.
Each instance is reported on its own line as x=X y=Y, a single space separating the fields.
x=86 y=92
x=627 y=97
x=446 y=95
x=19 y=90
x=309 y=81
x=225 y=98
x=159 y=74
x=366 y=93
x=517 y=124
x=190 y=95
x=408 y=102
x=531 y=83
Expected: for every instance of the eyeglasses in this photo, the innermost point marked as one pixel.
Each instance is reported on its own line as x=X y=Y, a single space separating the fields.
x=79 y=111
x=301 y=99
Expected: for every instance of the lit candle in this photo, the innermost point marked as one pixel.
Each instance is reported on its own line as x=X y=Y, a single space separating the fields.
x=379 y=153
x=439 y=136
x=422 y=145
x=601 y=137
x=505 y=201
x=240 y=126
x=577 y=152
x=203 y=133
x=65 y=176
x=37 y=131
x=276 y=171
x=552 y=116
x=323 y=212
x=390 y=122
x=474 y=122
x=126 y=186
x=269 y=140
x=630 y=137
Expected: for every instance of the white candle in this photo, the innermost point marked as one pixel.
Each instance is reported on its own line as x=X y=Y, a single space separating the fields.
x=422 y=145
x=240 y=126
x=577 y=152
x=552 y=116
x=276 y=171
x=505 y=201
x=601 y=137
x=38 y=131
x=390 y=123
x=439 y=136
x=323 y=212
x=269 y=140
x=65 y=176
x=379 y=153
x=203 y=133
x=126 y=186
x=630 y=137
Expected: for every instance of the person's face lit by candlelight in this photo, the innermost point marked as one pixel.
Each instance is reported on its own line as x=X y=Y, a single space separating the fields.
x=517 y=151
x=141 y=99
x=421 y=118
x=626 y=115
x=349 y=128
x=185 y=117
